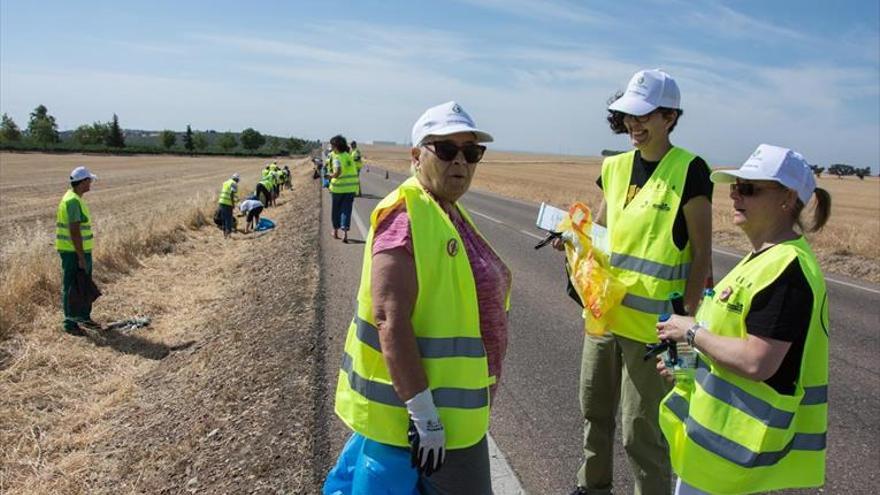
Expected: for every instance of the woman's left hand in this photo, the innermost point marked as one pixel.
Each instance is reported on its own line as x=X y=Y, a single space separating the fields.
x=675 y=328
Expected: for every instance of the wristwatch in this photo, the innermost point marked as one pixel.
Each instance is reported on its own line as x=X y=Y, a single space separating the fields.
x=691 y=334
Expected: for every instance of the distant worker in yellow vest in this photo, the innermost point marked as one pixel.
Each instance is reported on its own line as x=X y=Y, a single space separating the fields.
x=754 y=417
x=657 y=208
x=344 y=184
x=358 y=163
x=276 y=179
x=226 y=201
x=74 y=241
x=419 y=407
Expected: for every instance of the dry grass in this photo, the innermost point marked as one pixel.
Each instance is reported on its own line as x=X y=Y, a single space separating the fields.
x=134 y=416
x=140 y=205
x=849 y=244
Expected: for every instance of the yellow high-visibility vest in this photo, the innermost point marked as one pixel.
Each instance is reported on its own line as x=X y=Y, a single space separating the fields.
x=227 y=193
x=446 y=322
x=358 y=161
x=643 y=253
x=348 y=181
x=731 y=435
x=63 y=241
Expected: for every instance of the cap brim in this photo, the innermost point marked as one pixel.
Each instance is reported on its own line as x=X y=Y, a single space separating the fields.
x=728 y=176
x=632 y=106
x=482 y=136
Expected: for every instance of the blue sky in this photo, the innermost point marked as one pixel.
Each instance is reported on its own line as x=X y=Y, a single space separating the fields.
x=537 y=74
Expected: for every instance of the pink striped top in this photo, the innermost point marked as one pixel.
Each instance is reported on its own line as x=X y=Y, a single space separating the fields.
x=491 y=277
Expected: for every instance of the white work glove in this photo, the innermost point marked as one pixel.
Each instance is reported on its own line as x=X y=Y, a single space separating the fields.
x=426 y=436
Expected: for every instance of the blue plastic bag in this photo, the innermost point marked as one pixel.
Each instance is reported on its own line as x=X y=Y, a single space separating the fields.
x=264 y=224
x=366 y=467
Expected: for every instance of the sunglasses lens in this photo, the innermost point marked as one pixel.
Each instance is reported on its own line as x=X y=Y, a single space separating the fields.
x=743 y=189
x=473 y=153
x=445 y=150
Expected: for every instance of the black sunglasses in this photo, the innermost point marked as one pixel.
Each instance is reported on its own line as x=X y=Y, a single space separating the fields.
x=641 y=119
x=747 y=189
x=447 y=151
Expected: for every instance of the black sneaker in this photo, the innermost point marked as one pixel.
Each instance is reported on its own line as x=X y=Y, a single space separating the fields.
x=579 y=490
x=75 y=331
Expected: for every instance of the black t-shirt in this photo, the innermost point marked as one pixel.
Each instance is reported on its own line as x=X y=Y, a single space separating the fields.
x=782 y=311
x=696 y=184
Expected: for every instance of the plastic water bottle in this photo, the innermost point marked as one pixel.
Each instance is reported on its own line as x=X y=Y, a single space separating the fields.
x=681 y=359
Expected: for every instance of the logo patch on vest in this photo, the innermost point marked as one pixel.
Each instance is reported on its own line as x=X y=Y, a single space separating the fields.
x=725 y=294
x=452 y=247
x=661 y=206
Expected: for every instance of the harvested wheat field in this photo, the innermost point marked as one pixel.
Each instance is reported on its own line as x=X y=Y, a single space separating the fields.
x=848 y=245
x=216 y=394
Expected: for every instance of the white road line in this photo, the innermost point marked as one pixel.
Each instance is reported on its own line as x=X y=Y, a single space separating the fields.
x=487 y=217
x=531 y=234
x=504 y=480
x=359 y=224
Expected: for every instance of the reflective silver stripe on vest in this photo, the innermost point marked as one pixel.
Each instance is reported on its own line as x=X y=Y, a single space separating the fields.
x=460 y=398
x=815 y=395
x=67 y=238
x=738 y=398
x=646 y=304
x=429 y=348
x=732 y=451
x=651 y=268
x=753 y=406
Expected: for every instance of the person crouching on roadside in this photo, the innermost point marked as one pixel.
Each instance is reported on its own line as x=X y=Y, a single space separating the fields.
x=253 y=209
x=74 y=241
x=754 y=418
x=418 y=407
x=226 y=201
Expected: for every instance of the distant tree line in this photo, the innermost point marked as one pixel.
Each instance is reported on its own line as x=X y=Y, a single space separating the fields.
x=842 y=169
x=42 y=134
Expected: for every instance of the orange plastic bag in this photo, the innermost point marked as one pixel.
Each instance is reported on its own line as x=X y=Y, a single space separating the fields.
x=598 y=288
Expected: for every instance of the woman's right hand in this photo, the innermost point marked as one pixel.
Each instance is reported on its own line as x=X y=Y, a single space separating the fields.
x=558 y=244
x=664 y=371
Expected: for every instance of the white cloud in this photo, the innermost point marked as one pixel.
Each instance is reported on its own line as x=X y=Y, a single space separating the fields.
x=722 y=20
x=546 y=9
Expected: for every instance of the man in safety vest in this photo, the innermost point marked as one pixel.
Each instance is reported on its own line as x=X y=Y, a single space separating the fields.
x=227 y=199
x=74 y=241
x=358 y=163
x=657 y=208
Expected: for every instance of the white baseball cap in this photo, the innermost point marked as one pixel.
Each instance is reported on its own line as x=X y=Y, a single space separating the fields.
x=775 y=163
x=443 y=120
x=647 y=91
x=236 y=177
x=81 y=173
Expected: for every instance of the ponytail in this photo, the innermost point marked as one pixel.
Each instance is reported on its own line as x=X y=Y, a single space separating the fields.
x=821 y=212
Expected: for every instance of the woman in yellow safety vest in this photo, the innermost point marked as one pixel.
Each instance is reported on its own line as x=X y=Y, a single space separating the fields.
x=423 y=352
x=344 y=184
x=754 y=416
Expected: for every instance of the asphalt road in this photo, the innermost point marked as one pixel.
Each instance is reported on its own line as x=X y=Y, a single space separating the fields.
x=536 y=420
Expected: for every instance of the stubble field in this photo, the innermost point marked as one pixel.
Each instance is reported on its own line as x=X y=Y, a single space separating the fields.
x=213 y=396
x=848 y=245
